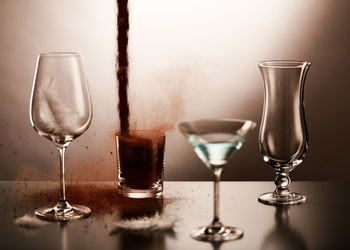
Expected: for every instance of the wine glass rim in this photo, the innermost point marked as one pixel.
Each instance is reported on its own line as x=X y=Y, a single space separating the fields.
x=60 y=54
x=283 y=64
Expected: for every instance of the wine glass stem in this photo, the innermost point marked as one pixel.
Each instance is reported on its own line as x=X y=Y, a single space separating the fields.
x=217 y=175
x=62 y=150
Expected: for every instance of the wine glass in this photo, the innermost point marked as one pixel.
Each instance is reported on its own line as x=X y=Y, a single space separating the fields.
x=60 y=110
x=215 y=141
x=283 y=138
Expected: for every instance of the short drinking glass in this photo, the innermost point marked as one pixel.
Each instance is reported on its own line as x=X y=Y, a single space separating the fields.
x=140 y=155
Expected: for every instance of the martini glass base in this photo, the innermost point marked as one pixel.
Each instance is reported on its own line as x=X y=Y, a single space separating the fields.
x=217 y=233
x=55 y=214
x=272 y=199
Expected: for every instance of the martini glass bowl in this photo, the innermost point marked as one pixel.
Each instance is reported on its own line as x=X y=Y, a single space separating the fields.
x=215 y=141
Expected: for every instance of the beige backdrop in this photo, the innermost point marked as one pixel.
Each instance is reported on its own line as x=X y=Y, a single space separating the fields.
x=188 y=59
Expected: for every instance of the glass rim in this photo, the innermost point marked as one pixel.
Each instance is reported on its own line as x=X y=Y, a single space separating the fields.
x=60 y=54
x=283 y=64
x=186 y=127
x=218 y=120
x=118 y=133
x=249 y=123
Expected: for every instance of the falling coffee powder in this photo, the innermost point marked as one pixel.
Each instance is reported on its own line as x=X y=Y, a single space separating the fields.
x=122 y=66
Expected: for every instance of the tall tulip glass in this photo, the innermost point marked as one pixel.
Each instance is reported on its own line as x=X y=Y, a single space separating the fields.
x=283 y=136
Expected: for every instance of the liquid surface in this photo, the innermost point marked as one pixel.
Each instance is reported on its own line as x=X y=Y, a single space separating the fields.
x=215 y=149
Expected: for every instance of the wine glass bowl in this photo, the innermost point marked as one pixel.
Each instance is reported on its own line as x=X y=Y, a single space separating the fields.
x=283 y=138
x=215 y=141
x=60 y=110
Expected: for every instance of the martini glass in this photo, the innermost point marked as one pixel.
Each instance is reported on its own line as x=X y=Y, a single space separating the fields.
x=215 y=141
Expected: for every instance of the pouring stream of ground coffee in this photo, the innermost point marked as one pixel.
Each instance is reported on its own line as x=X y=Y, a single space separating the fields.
x=122 y=65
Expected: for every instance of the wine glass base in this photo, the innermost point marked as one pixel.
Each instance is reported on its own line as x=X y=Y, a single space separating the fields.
x=50 y=213
x=272 y=199
x=216 y=233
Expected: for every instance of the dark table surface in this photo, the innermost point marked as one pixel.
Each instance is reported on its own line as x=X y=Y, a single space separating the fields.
x=321 y=223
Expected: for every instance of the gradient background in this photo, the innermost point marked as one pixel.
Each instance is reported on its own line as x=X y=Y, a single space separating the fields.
x=188 y=59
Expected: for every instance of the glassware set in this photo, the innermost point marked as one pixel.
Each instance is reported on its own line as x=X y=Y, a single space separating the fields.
x=61 y=110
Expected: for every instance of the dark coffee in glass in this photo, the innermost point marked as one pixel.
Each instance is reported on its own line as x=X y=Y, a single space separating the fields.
x=140 y=156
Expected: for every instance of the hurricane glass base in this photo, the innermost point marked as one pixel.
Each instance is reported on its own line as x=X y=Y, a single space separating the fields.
x=272 y=199
x=217 y=233
x=63 y=212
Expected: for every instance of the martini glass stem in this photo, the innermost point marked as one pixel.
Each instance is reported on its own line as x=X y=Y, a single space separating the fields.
x=217 y=175
x=62 y=151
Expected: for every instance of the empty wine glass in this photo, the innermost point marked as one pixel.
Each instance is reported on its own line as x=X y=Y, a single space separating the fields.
x=283 y=136
x=60 y=110
x=214 y=142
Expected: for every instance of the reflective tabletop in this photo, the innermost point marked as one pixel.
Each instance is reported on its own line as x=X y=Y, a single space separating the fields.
x=321 y=223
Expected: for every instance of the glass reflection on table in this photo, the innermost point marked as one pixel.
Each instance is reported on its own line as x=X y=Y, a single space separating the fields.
x=63 y=232
x=283 y=236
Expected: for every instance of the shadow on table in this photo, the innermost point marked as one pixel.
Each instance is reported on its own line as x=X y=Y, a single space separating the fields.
x=282 y=236
x=151 y=238
x=142 y=240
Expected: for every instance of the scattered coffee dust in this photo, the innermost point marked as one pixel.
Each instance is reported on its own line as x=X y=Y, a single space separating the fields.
x=158 y=103
x=101 y=197
x=29 y=172
x=95 y=163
